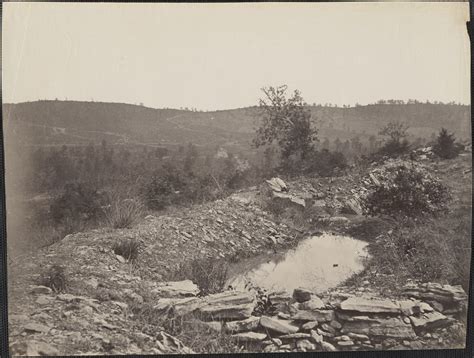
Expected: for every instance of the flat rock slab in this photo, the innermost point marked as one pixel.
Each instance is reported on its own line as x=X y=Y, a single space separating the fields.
x=276 y=184
x=248 y=324
x=339 y=220
x=328 y=347
x=431 y=320
x=249 y=337
x=278 y=325
x=234 y=305
x=40 y=290
x=314 y=315
x=37 y=327
x=309 y=325
x=298 y=335
x=289 y=199
x=35 y=348
x=366 y=305
x=218 y=312
x=281 y=297
x=211 y=326
x=178 y=306
x=185 y=288
x=313 y=304
x=228 y=305
x=384 y=328
x=445 y=294
x=408 y=307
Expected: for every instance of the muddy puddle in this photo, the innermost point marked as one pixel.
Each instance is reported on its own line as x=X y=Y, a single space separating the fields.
x=317 y=263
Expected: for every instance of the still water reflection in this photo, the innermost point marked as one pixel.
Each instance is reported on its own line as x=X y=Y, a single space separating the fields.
x=317 y=263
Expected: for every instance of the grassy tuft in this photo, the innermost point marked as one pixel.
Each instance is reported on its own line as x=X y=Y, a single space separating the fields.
x=209 y=275
x=436 y=249
x=369 y=228
x=122 y=211
x=54 y=278
x=128 y=248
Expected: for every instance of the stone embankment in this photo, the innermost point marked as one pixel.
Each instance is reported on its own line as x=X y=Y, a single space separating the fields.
x=423 y=317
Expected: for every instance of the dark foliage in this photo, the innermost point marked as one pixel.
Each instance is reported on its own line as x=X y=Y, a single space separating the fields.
x=287 y=122
x=172 y=185
x=445 y=146
x=396 y=143
x=77 y=200
x=370 y=228
x=394 y=148
x=326 y=163
x=163 y=187
x=407 y=191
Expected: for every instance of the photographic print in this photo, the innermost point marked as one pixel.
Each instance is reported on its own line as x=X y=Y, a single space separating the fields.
x=234 y=178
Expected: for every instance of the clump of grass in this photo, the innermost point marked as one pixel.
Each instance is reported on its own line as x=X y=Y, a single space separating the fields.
x=201 y=338
x=204 y=340
x=209 y=275
x=55 y=278
x=124 y=210
x=436 y=249
x=369 y=228
x=128 y=248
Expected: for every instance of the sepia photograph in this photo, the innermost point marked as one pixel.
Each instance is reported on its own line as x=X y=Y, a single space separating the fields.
x=217 y=178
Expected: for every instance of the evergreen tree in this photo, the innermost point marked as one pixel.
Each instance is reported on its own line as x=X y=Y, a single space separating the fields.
x=445 y=146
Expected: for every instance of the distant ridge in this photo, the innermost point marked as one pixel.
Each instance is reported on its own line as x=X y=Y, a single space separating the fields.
x=57 y=122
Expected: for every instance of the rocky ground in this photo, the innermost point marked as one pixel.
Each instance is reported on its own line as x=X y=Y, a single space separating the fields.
x=111 y=305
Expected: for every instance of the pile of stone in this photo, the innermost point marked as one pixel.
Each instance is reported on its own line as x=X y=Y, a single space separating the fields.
x=229 y=228
x=279 y=193
x=306 y=322
x=325 y=197
x=423 y=154
x=62 y=324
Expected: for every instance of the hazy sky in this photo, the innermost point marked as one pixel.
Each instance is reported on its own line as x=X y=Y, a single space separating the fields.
x=217 y=56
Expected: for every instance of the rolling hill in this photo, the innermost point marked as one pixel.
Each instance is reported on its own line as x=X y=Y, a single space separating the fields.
x=78 y=123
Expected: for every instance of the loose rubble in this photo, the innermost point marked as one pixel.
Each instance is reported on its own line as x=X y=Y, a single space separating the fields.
x=356 y=323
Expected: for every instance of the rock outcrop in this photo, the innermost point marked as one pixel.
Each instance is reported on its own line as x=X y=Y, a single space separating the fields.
x=336 y=322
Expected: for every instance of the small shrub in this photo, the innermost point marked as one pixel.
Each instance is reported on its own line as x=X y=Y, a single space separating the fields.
x=163 y=186
x=406 y=190
x=199 y=189
x=55 y=278
x=78 y=201
x=394 y=148
x=123 y=212
x=326 y=163
x=445 y=146
x=396 y=143
x=128 y=248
